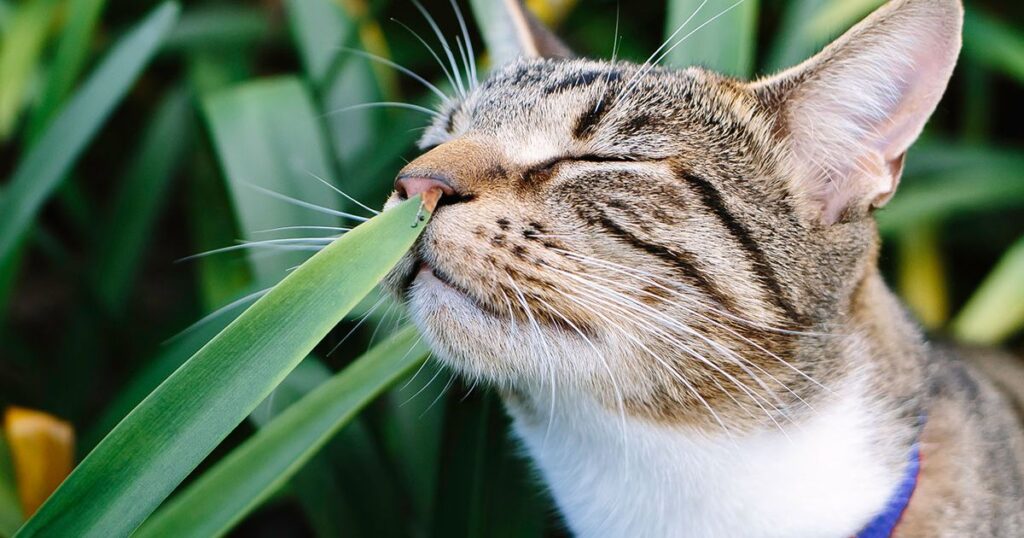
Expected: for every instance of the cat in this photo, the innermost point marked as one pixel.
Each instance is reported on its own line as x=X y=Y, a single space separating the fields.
x=670 y=278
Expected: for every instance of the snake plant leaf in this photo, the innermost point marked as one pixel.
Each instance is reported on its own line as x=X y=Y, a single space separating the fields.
x=267 y=139
x=250 y=473
x=130 y=472
x=51 y=157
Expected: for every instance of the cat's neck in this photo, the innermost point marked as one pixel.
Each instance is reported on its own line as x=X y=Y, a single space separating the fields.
x=824 y=474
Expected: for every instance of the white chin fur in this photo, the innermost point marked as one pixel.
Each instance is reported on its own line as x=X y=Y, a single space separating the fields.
x=822 y=478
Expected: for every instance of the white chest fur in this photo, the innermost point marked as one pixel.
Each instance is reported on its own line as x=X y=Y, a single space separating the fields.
x=821 y=479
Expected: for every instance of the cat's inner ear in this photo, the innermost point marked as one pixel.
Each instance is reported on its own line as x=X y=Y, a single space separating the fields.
x=529 y=37
x=850 y=113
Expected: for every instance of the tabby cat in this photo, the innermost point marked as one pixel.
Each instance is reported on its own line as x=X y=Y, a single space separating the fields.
x=670 y=277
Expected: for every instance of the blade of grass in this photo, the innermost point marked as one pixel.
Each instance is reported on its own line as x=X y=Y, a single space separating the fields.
x=49 y=160
x=67 y=64
x=163 y=439
x=228 y=491
x=20 y=47
x=996 y=311
x=725 y=45
x=138 y=201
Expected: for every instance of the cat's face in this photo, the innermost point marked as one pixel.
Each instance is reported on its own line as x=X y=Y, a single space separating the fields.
x=643 y=236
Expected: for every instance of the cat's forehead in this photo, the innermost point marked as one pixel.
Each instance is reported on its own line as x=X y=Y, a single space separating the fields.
x=538 y=108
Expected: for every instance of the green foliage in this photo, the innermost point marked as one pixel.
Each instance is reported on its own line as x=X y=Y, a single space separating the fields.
x=133 y=137
x=166 y=436
x=250 y=473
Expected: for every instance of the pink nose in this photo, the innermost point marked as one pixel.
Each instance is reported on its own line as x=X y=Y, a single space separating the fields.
x=410 y=186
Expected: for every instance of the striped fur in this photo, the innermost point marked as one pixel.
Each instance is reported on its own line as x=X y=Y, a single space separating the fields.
x=674 y=256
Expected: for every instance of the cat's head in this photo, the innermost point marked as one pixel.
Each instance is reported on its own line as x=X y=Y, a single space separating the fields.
x=645 y=235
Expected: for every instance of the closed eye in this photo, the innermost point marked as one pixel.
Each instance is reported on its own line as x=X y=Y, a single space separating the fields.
x=587 y=158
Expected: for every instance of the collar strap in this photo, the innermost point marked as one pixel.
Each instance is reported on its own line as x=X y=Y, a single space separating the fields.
x=885 y=523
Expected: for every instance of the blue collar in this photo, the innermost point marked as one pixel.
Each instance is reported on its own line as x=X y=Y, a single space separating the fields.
x=885 y=523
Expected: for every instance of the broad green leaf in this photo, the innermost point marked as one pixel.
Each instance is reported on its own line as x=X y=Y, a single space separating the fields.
x=10 y=508
x=228 y=491
x=942 y=180
x=20 y=47
x=163 y=439
x=315 y=485
x=72 y=50
x=808 y=25
x=221 y=279
x=49 y=160
x=319 y=28
x=250 y=116
x=157 y=368
x=142 y=193
x=994 y=43
x=219 y=28
x=267 y=137
x=721 y=36
x=996 y=311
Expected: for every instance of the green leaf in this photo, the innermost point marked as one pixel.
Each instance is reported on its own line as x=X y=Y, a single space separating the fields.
x=267 y=137
x=808 y=25
x=163 y=439
x=142 y=193
x=721 y=36
x=228 y=491
x=156 y=369
x=219 y=28
x=20 y=46
x=996 y=311
x=943 y=180
x=49 y=160
x=994 y=43
x=319 y=28
x=72 y=50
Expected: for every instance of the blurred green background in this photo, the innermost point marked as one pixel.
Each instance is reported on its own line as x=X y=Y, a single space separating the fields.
x=131 y=137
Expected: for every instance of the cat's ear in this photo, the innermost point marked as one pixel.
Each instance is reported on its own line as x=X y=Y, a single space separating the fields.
x=524 y=35
x=850 y=113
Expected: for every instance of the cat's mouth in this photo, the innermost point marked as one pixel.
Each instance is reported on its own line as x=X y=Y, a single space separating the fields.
x=427 y=275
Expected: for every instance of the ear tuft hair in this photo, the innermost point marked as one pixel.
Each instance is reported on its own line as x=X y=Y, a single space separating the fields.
x=850 y=113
